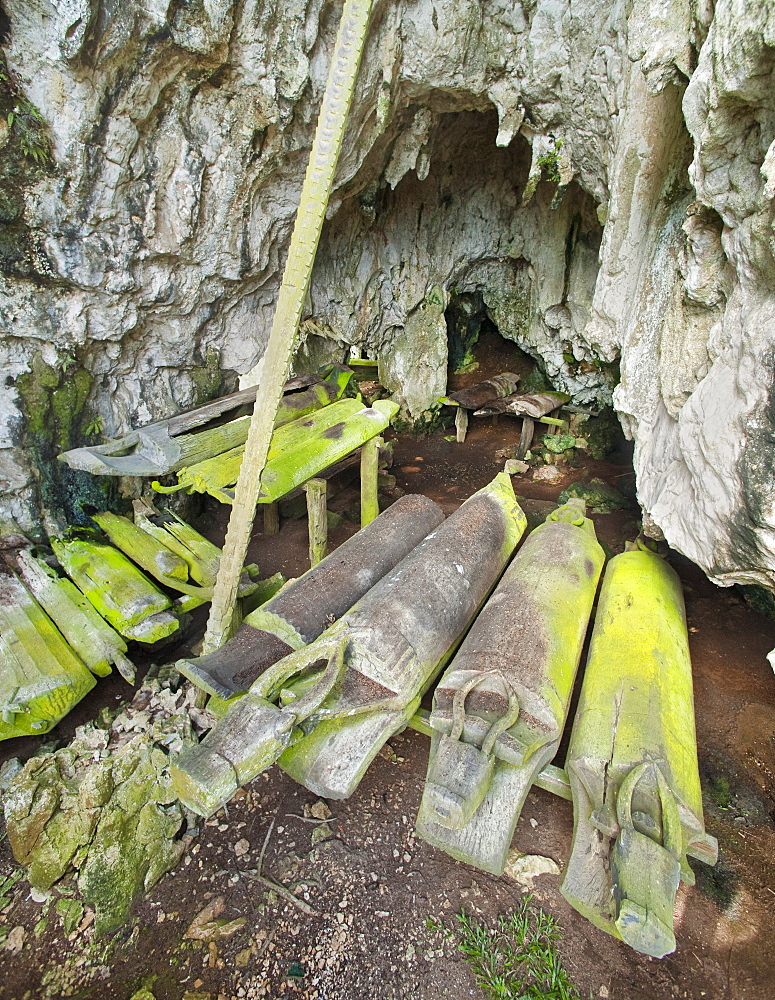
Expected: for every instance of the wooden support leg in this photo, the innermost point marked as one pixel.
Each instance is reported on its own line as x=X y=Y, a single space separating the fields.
x=318 y=519
x=369 y=469
x=526 y=437
x=271 y=518
x=461 y=423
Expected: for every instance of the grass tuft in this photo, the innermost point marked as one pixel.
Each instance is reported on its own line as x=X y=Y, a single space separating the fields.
x=517 y=959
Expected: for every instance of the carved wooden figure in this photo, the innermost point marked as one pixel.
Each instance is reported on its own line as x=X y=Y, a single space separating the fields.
x=500 y=708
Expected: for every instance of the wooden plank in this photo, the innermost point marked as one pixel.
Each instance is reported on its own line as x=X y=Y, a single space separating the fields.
x=97 y=644
x=461 y=424
x=317 y=515
x=272 y=518
x=315 y=193
x=369 y=474
x=117 y=589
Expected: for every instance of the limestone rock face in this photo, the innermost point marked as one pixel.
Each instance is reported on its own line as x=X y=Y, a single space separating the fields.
x=602 y=175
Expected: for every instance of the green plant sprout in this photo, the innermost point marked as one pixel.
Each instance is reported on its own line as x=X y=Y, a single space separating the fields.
x=517 y=959
x=550 y=162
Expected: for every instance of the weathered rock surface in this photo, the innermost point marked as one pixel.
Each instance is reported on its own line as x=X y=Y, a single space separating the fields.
x=102 y=809
x=602 y=174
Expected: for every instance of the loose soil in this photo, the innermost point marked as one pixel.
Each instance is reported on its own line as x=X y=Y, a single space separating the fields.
x=374 y=898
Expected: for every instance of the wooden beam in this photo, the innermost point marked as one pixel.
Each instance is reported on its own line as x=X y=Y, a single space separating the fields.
x=317 y=514
x=369 y=473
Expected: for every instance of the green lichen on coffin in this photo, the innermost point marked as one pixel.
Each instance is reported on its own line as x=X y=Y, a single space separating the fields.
x=124 y=596
x=102 y=809
x=500 y=708
x=298 y=451
x=91 y=637
x=342 y=696
x=41 y=676
x=632 y=760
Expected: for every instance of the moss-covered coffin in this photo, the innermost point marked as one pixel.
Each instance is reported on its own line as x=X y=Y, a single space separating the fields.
x=117 y=589
x=309 y=604
x=346 y=693
x=97 y=644
x=41 y=677
x=632 y=760
x=299 y=451
x=171 y=444
x=500 y=709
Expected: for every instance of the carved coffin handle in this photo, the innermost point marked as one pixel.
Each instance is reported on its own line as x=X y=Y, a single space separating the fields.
x=646 y=871
x=459 y=774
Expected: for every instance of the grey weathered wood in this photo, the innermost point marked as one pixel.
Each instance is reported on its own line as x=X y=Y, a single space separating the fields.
x=271 y=518
x=525 y=437
x=499 y=710
x=461 y=424
x=317 y=516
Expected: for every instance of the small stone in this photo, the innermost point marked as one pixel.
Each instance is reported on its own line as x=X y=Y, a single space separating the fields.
x=513 y=467
x=242 y=847
x=533 y=822
x=547 y=474
x=319 y=810
x=604 y=992
x=523 y=868
x=15 y=940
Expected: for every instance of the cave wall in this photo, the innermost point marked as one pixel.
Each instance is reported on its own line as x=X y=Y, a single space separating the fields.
x=140 y=264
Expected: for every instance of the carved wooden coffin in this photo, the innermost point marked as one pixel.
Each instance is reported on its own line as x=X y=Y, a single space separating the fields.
x=632 y=760
x=500 y=708
x=41 y=676
x=307 y=606
x=477 y=395
x=526 y=404
x=298 y=451
x=195 y=435
x=340 y=698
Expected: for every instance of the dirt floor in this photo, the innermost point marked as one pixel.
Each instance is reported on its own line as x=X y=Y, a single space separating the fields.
x=373 y=899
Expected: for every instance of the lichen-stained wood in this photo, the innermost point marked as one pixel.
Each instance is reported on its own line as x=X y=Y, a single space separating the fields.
x=344 y=695
x=117 y=589
x=41 y=676
x=500 y=708
x=200 y=554
x=171 y=444
x=308 y=605
x=88 y=633
x=632 y=760
x=524 y=404
x=478 y=395
x=299 y=450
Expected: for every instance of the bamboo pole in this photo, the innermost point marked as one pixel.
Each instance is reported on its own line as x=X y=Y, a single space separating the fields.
x=298 y=268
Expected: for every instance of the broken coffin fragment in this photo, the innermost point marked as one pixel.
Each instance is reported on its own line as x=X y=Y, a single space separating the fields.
x=298 y=451
x=344 y=695
x=88 y=633
x=307 y=606
x=116 y=588
x=201 y=556
x=41 y=677
x=632 y=760
x=171 y=444
x=500 y=708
